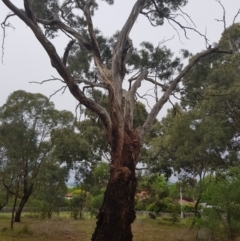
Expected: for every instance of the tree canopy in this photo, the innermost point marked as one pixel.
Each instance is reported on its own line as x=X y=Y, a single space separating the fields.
x=93 y=61
x=26 y=123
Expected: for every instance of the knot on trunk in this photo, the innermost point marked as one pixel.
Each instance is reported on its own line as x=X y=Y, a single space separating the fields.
x=123 y=174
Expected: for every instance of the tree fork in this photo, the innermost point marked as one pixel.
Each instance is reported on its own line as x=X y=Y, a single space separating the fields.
x=117 y=212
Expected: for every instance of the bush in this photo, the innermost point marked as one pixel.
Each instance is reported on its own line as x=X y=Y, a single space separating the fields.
x=151 y=207
x=174 y=209
x=25 y=230
x=140 y=206
x=188 y=208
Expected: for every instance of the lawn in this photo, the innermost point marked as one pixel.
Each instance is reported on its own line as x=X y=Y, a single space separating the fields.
x=65 y=228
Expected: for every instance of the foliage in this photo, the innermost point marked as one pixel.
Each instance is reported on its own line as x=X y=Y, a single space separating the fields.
x=223 y=198
x=139 y=206
x=26 y=123
x=92 y=61
x=51 y=188
x=77 y=205
x=155 y=186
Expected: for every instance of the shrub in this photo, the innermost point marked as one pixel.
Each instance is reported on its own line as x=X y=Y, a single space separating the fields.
x=151 y=207
x=140 y=206
x=25 y=230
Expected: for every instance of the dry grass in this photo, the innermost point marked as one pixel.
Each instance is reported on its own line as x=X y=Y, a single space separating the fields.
x=68 y=229
x=158 y=230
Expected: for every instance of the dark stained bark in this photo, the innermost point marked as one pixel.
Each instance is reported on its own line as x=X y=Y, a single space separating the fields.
x=117 y=212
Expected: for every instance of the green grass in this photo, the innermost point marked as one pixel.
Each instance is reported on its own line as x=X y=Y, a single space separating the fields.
x=65 y=228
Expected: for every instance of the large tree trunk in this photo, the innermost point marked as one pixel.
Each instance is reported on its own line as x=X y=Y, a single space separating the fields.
x=117 y=212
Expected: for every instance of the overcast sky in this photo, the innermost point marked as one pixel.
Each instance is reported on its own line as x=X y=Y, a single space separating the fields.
x=25 y=60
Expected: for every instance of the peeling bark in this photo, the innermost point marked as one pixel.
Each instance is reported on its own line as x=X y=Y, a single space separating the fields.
x=117 y=212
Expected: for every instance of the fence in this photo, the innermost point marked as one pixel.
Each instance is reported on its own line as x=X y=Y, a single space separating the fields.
x=68 y=209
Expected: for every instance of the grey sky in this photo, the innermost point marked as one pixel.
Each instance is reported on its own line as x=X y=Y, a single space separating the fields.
x=25 y=60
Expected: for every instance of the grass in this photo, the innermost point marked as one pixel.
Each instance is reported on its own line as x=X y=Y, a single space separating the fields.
x=65 y=228
x=161 y=230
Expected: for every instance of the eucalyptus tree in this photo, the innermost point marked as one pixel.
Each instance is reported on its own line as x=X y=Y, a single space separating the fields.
x=215 y=78
x=93 y=61
x=26 y=123
x=216 y=91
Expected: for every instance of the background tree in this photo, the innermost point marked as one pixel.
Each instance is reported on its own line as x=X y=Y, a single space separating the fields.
x=156 y=189
x=26 y=122
x=199 y=136
x=51 y=187
x=193 y=145
x=223 y=198
x=103 y=63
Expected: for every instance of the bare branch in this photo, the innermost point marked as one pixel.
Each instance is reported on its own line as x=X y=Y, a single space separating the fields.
x=67 y=50
x=95 y=47
x=224 y=23
x=80 y=80
x=129 y=99
x=187 y=16
x=180 y=25
x=224 y=14
x=189 y=28
x=158 y=106
x=4 y=24
x=123 y=45
x=134 y=77
x=179 y=37
x=78 y=105
x=63 y=14
x=103 y=71
x=47 y=80
x=61 y=68
x=236 y=16
x=66 y=28
x=142 y=97
x=164 y=87
x=137 y=83
x=62 y=88
x=149 y=19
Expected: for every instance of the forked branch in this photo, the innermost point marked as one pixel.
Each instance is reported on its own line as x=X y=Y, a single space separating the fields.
x=234 y=19
x=95 y=47
x=123 y=43
x=224 y=23
x=5 y=24
x=129 y=99
x=68 y=29
x=58 y=64
x=158 y=106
